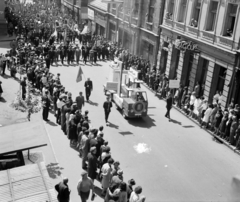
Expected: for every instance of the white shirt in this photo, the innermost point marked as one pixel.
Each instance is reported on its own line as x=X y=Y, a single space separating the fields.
x=60 y=104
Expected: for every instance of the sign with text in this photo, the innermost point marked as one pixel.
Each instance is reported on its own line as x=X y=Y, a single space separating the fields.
x=90 y=14
x=186 y=45
x=112 y=1
x=174 y=83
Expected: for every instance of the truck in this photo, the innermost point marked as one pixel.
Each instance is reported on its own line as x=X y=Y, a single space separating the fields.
x=124 y=87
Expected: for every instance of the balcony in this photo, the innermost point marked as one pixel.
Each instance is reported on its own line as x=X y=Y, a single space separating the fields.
x=120 y=15
x=149 y=26
x=180 y=26
x=208 y=36
x=168 y=22
x=193 y=30
x=225 y=41
x=134 y=21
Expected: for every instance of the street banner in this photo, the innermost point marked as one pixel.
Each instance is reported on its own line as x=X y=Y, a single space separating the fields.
x=174 y=83
x=112 y=1
x=79 y=75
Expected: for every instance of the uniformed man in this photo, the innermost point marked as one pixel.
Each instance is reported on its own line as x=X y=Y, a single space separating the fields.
x=88 y=88
x=107 y=105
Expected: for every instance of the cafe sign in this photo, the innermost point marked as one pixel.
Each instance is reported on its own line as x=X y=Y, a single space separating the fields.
x=186 y=45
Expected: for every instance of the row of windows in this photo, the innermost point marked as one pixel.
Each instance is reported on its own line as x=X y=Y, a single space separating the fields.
x=135 y=10
x=211 y=17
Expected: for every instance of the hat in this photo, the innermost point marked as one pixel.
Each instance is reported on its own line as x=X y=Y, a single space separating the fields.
x=132 y=182
x=92 y=149
x=119 y=172
x=83 y=173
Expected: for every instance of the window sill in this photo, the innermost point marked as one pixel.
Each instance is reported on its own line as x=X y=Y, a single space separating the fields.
x=149 y=25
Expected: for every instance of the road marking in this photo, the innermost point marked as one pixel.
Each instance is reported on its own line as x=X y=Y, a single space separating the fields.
x=142 y=148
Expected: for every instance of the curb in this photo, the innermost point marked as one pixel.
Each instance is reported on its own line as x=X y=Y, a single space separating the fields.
x=215 y=136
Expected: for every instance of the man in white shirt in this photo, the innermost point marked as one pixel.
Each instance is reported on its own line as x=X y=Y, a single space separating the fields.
x=60 y=104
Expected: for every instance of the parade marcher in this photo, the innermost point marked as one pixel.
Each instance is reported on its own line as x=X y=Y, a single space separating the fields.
x=107 y=105
x=88 y=88
x=84 y=186
x=46 y=105
x=80 y=101
x=169 y=105
x=24 y=84
x=63 y=191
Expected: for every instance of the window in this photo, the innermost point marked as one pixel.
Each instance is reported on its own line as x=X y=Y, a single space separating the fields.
x=221 y=77
x=230 y=20
x=196 y=13
x=169 y=14
x=211 y=20
x=136 y=7
x=114 y=8
x=182 y=10
x=151 y=11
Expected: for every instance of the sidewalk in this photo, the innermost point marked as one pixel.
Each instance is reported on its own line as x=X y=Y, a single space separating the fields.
x=11 y=117
x=233 y=148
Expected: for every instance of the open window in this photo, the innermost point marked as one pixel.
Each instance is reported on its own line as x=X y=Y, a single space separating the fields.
x=182 y=10
x=196 y=13
x=230 y=20
x=212 y=16
x=170 y=10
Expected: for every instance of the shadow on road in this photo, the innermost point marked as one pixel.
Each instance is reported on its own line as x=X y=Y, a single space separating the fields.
x=188 y=126
x=111 y=125
x=175 y=121
x=51 y=123
x=93 y=103
x=54 y=170
x=146 y=122
x=125 y=133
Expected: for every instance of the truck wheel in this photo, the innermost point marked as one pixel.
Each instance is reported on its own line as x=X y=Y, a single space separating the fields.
x=124 y=115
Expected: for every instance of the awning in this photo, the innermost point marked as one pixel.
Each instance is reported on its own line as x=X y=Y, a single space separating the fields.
x=26 y=183
x=22 y=136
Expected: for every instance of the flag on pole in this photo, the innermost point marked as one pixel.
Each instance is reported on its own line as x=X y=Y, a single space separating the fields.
x=79 y=75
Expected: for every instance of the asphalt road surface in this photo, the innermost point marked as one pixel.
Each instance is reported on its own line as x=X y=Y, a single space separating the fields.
x=172 y=161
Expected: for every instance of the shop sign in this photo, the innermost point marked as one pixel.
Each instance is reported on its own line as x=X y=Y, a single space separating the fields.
x=186 y=45
x=174 y=83
x=100 y=20
x=234 y=2
x=90 y=14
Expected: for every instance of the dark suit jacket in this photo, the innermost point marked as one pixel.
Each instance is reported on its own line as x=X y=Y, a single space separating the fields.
x=63 y=192
x=169 y=102
x=88 y=85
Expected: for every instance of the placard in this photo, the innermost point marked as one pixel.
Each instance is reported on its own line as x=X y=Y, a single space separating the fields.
x=174 y=83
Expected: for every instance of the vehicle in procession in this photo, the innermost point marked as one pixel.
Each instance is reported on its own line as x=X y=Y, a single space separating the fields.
x=124 y=87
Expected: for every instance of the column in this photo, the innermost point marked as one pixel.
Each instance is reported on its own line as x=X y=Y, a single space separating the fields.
x=180 y=65
x=208 y=82
x=159 y=52
x=193 y=71
x=226 y=88
x=169 y=59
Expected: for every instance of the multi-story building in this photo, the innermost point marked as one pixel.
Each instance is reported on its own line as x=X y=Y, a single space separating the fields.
x=134 y=24
x=78 y=9
x=199 y=43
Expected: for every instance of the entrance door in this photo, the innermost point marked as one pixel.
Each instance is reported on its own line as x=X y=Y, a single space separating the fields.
x=163 y=60
x=174 y=63
x=187 y=66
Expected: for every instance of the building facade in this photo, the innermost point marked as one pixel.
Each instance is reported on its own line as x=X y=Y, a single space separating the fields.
x=134 y=24
x=199 y=43
x=98 y=15
x=78 y=9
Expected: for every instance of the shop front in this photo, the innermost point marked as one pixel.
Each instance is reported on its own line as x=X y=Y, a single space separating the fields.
x=112 y=31
x=194 y=62
x=101 y=23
